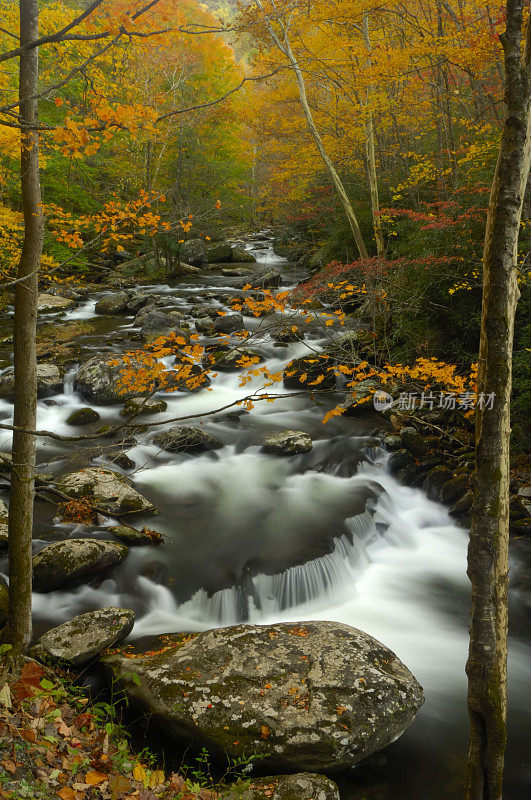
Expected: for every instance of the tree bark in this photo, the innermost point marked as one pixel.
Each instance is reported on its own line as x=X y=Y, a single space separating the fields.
x=488 y=547
x=369 y=150
x=25 y=355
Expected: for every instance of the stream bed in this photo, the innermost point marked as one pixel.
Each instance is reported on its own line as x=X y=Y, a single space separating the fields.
x=325 y=535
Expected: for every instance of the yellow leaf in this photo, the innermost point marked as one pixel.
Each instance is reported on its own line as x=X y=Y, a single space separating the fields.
x=156 y=778
x=94 y=778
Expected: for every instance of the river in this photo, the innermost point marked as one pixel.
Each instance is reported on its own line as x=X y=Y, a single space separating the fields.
x=324 y=535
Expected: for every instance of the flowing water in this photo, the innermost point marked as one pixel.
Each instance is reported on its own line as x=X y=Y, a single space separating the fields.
x=325 y=535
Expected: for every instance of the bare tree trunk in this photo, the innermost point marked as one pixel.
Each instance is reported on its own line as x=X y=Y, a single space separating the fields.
x=25 y=355
x=369 y=151
x=285 y=48
x=488 y=547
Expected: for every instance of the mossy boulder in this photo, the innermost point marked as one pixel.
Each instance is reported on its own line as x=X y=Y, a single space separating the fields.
x=68 y=563
x=228 y=323
x=49 y=381
x=115 y=303
x=414 y=441
x=242 y=256
x=184 y=439
x=287 y=443
x=301 y=786
x=83 y=416
x=107 y=489
x=315 y=696
x=302 y=372
x=49 y=303
x=100 y=380
x=230 y=360
x=139 y=405
x=218 y=252
x=82 y=638
x=194 y=252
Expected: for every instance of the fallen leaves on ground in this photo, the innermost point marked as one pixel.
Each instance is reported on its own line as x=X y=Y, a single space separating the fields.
x=52 y=744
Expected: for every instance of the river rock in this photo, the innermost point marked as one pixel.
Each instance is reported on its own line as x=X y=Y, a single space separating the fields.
x=454 y=488
x=205 y=325
x=179 y=269
x=115 y=303
x=107 y=489
x=49 y=381
x=99 y=379
x=131 y=536
x=228 y=323
x=184 y=439
x=83 y=416
x=313 y=696
x=72 y=561
x=82 y=638
x=235 y=272
x=399 y=459
x=242 y=256
x=218 y=252
x=194 y=252
x=414 y=441
x=48 y=303
x=360 y=398
x=139 y=405
x=267 y=278
x=159 y=323
x=4 y=511
x=434 y=480
x=300 y=373
x=136 y=301
x=288 y=334
x=302 y=786
x=227 y=360
x=287 y=443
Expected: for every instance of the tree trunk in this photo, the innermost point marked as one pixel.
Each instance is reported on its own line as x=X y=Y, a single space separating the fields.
x=369 y=151
x=488 y=547
x=25 y=355
x=285 y=48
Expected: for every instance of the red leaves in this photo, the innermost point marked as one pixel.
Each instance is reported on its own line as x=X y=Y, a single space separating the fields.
x=29 y=681
x=79 y=511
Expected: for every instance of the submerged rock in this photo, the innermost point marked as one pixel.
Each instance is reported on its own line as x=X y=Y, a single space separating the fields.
x=132 y=536
x=49 y=381
x=184 y=439
x=301 y=786
x=68 y=563
x=82 y=638
x=109 y=490
x=83 y=416
x=312 y=696
x=287 y=443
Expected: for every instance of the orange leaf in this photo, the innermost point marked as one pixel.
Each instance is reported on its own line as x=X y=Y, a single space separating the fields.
x=94 y=778
x=265 y=731
x=66 y=793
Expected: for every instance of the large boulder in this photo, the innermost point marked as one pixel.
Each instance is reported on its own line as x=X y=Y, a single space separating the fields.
x=100 y=379
x=287 y=443
x=83 y=416
x=49 y=381
x=141 y=405
x=81 y=639
x=160 y=323
x=184 y=439
x=115 y=303
x=302 y=373
x=218 y=252
x=49 y=303
x=107 y=489
x=63 y=564
x=194 y=252
x=312 y=696
x=231 y=360
x=302 y=786
x=228 y=323
x=266 y=278
x=242 y=256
